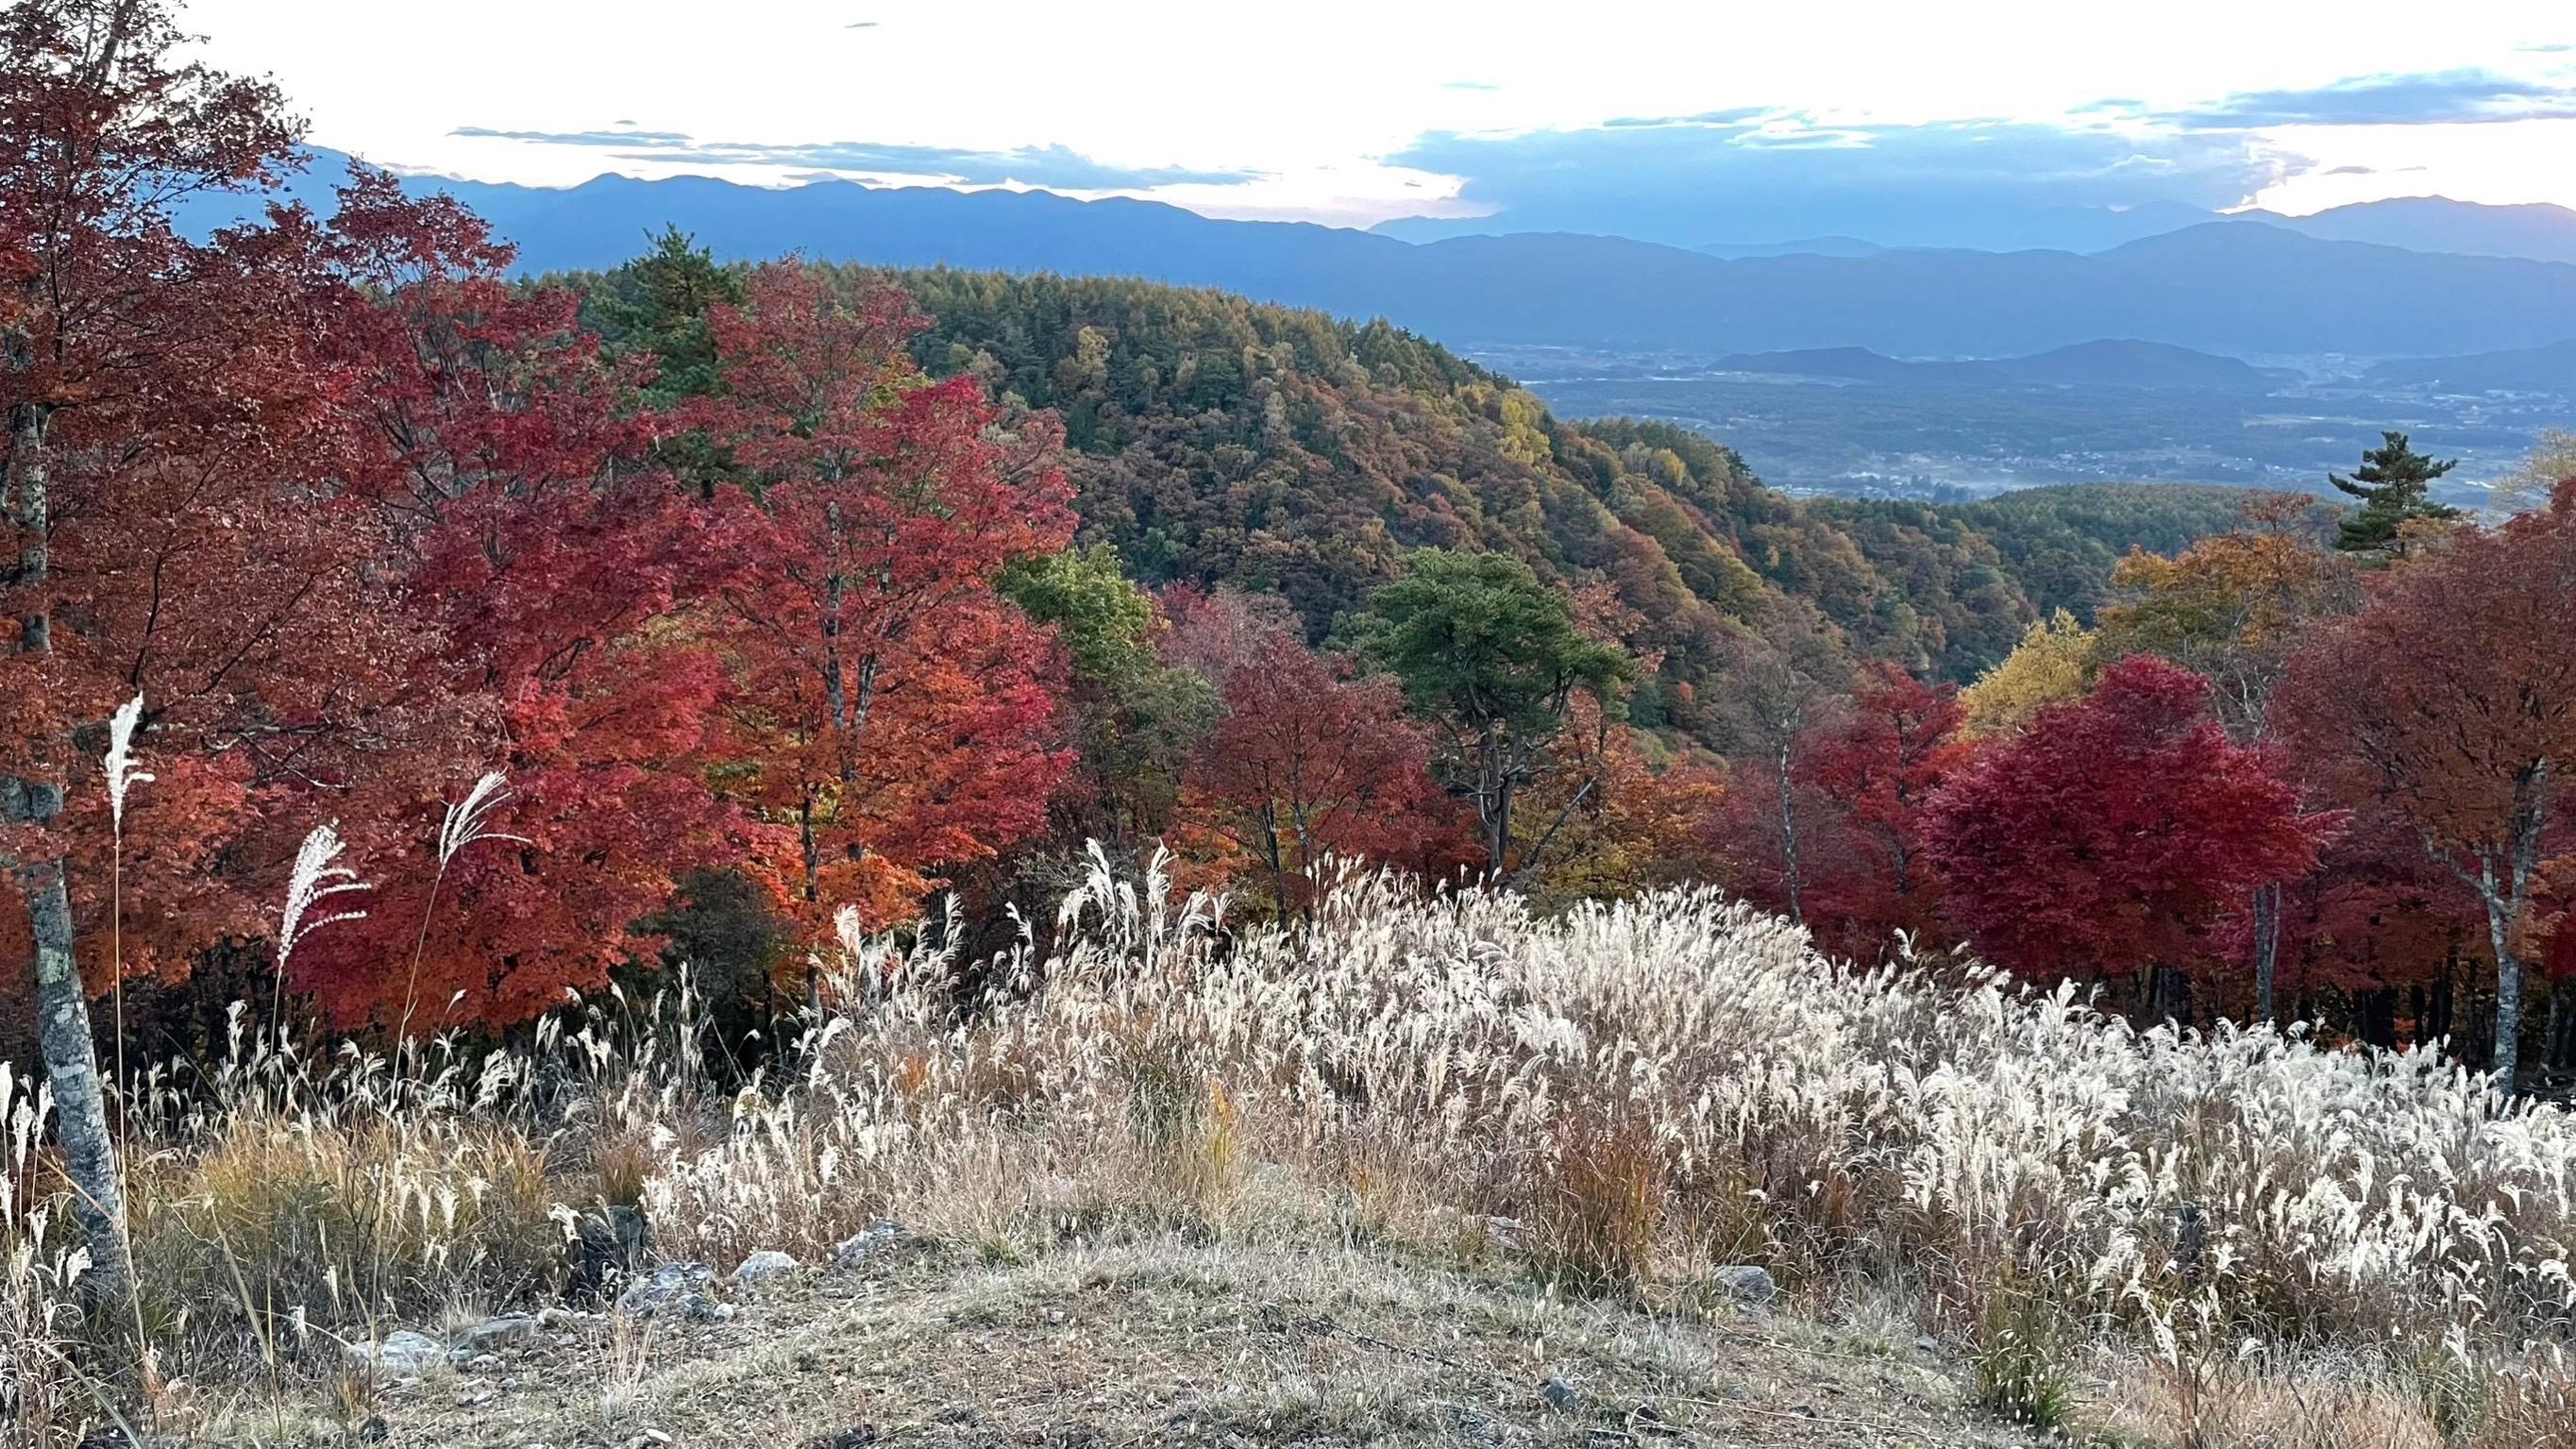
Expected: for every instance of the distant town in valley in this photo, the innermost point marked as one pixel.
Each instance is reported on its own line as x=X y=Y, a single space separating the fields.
x=1855 y=423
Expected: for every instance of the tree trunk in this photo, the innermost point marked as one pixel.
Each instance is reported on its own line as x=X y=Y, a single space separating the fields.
x=2508 y=1009
x=2375 y=1016
x=2267 y=948
x=2553 y=1045
x=2168 y=994
x=1275 y=856
x=805 y=839
x=1789 y=838
x=2506 y=900
x=80 y=1106
x=835 y=586
x=1494 y=802
x=62 y=1002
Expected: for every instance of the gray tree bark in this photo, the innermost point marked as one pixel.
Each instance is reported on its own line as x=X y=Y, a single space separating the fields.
x=1789 y=832
x=2507 y=895
x=2267 y=949
x=62 y=1002
x=80 y=1106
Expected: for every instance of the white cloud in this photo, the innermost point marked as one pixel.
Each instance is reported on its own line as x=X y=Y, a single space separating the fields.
x=1312 y=97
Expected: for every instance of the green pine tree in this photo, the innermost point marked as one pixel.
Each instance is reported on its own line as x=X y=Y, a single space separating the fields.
x=1492 y=657
x=2393 y=484
x=657 y=304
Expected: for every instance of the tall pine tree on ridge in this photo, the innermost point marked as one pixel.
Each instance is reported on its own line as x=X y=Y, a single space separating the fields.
x=2393 y=484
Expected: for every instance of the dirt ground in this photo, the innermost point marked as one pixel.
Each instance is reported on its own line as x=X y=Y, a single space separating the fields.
x=1167 y=1344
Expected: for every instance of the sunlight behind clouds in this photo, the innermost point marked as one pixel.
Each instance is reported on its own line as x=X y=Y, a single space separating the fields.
x=1253 y=111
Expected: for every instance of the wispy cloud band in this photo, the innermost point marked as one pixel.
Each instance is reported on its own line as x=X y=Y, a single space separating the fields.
x=1054 y=166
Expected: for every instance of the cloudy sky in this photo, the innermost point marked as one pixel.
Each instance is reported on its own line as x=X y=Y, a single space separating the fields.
x=1711 y=121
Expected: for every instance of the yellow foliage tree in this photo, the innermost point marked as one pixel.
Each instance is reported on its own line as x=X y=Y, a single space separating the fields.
x=2553 y=459
x=2053 y=662
x=2230 y=607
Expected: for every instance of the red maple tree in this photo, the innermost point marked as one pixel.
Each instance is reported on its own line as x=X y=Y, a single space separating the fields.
x=1308 y=762
x=2106 y=840
x=1873 y=768
x=553 y=575
x=169 y=528
x=891 y=710
x=2450 y=702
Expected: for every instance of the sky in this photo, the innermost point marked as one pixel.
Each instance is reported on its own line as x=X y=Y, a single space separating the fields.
x=1688 y=123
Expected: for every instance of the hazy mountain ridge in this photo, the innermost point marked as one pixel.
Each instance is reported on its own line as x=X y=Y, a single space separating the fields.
x=2536 y=231
x=2105 y=363
x=2550 y=369
x=2220 y=287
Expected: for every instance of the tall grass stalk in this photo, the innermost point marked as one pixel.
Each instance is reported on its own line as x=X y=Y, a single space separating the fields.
x=121 y=777
x=463 y=825
x=315 y=880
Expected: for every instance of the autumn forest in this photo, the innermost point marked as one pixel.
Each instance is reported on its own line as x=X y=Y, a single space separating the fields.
x=783 y=592
x=402 y=647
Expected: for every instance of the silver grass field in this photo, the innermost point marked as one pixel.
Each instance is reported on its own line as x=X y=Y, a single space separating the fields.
x=2150 y=1229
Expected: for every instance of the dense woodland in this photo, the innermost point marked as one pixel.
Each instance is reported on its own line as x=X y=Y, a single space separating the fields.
x=522 y=637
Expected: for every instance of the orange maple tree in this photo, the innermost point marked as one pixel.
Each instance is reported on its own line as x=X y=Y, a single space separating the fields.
x=890 y=711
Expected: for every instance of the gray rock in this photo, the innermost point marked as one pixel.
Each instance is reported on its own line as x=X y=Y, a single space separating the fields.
x=666 y=1287
x=1744 y=1282
x=508 y=1330
x=611 y=1245
x=857 y=1248
x=1470 y=1425
x=763 y=1266
x=401 y=1354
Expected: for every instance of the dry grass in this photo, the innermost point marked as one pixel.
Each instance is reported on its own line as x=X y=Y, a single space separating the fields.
x=1610 y=1102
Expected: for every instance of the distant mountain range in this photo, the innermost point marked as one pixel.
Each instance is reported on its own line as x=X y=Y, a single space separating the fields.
x=2043 y=228
x=2550 y=369
x=1814 y=246
x=2221 y=286
x=2120 y=363
x=2536 y=232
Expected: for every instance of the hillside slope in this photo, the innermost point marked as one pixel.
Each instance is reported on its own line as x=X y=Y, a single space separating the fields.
x=1219 y=440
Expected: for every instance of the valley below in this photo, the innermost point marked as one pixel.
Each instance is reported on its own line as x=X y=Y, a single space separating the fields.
x=1938 y=432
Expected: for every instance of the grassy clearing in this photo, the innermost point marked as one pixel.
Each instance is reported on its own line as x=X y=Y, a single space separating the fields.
x=2113 y=1233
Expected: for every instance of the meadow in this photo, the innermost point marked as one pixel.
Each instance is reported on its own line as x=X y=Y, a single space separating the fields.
x=1630 y=1102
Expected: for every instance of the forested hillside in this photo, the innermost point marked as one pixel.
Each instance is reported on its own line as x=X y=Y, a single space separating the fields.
x=1084 y=813
x=1217 y=439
